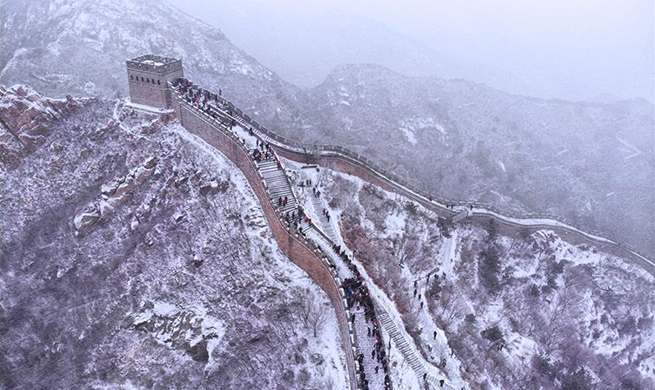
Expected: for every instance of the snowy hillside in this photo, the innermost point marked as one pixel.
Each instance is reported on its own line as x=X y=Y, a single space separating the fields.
x=135 y=256
x=79 y=47
x=529 y=311
x=584 y=161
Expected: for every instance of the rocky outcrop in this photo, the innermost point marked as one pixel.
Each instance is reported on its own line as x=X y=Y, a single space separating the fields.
x=113 y=195
x=25 y=118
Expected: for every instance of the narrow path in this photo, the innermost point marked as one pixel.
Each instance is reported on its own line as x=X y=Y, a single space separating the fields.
x=448 y=207
x=372 y=365
x=426 y=373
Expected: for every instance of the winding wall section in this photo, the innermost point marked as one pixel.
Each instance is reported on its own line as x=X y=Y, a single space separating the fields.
x=345 y=161
x=295 y=248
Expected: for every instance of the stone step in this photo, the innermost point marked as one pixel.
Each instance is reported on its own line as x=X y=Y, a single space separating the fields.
x=275 y=195
x=279 y=189
x=278 y=184
x=277 y=180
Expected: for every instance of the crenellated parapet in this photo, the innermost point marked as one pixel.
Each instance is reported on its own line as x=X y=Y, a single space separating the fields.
x=148 y=76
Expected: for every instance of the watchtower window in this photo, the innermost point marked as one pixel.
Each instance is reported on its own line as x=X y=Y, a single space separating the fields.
x=148 y=81
x=131 y=77
x=158 y=82
x=142 y=80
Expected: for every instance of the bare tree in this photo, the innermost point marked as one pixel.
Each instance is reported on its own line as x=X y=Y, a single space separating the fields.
x=311 y=312
x=406 y=247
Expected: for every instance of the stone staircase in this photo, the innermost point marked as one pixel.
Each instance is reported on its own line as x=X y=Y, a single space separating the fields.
x=416 y=361
x=326 y=226
x=277 y=185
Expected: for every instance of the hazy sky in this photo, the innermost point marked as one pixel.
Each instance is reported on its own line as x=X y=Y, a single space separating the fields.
x=590 y=46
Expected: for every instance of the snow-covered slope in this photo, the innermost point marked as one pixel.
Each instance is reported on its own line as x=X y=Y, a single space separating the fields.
x=587 y=162
x=133 y=255
x=79 y=47
x=500 y=312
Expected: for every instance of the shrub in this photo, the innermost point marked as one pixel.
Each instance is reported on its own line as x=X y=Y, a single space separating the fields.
x=543 y=366
x=495 y=336
x=578 y=380
x=488 y=270
x=411 y=208
x=492 y=229
x=445 y=226
x=435 y=289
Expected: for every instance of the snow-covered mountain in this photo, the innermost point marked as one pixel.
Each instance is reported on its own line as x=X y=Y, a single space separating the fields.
x=498 y=309
x=133 y=255
x=584 y=161
x=79 y=47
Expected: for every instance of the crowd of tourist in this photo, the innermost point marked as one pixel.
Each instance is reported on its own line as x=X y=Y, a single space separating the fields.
x=357 y=294
x=208 y=102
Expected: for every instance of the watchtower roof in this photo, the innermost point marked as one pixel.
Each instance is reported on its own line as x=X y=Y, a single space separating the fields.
x=154 y=63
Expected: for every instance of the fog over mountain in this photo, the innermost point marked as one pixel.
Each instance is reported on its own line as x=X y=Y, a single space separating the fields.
x=373 y=110
x=554 y=49
x=151 y=247
x=304 y=50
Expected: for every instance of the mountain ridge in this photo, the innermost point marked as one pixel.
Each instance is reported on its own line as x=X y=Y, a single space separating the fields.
x=474 y=142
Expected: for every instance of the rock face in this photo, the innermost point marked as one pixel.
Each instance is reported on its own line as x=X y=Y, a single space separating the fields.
x=133 y=258
x=25 y=118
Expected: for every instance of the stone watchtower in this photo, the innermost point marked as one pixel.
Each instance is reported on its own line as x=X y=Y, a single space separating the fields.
x=148 y=76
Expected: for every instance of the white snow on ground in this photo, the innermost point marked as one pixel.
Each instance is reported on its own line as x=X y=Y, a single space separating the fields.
x=381 y=299
x=395 y=224
x=164 y=309
x=411 y=138
x=329 y=341
x=502 y=166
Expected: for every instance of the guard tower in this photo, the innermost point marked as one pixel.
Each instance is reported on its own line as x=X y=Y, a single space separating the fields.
x=148 y=76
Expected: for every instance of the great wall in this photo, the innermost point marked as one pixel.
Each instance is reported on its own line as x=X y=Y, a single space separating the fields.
x=216 y=124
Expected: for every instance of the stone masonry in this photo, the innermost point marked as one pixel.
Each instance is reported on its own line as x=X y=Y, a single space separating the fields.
x=148 y=76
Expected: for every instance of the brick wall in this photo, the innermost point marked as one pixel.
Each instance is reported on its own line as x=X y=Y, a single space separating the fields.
x=295 y=248
x=150 y=88
x=344 y=165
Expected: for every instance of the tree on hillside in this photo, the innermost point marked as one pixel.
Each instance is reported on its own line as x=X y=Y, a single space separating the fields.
x=495 y=336
x=489 y=269
x=492 y=229
x=311 y=312
x=577 y=380
x=435 y=288
x=445 y=226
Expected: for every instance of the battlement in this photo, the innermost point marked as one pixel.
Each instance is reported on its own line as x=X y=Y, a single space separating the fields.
x=154 y=63
x=148 y=76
